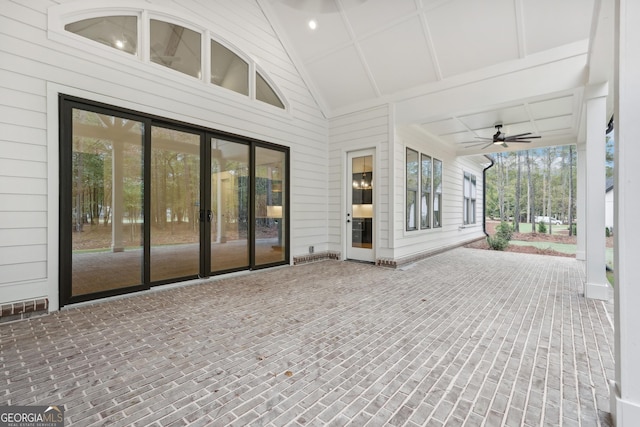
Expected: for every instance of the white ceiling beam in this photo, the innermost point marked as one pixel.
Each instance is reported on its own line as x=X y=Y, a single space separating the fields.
x=520 y=29
x=525 y=84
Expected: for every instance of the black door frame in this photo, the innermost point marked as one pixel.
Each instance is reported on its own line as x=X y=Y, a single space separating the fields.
x=66 y=104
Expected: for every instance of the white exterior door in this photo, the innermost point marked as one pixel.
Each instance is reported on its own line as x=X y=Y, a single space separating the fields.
x=360 y=219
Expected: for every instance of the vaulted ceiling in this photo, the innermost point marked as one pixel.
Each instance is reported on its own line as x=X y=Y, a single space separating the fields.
x=452 y=68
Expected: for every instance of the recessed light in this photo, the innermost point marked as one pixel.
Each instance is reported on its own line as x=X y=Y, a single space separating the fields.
x=313 y=24
x=119 y=44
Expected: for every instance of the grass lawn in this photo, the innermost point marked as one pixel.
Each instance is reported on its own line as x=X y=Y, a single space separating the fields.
x=525 y=227
x=566 y=248
x=610 y=277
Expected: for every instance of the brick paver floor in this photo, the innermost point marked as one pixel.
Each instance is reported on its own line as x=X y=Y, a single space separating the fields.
x=467 y=337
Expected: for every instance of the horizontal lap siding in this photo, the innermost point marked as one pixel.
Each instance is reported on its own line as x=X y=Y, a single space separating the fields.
x=30 y=61
x=364 y=129
x=413 y=242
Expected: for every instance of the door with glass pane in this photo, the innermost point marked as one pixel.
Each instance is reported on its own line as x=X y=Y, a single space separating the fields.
x=174 y=186
x=146 y=202
x=270 y=206
x=360 y=206
x=102 y=202
x=229 y=211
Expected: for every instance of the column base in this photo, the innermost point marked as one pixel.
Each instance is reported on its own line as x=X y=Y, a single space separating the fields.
x=581 y=255
x=117 y=249
x=623 y=412
x=598 y=291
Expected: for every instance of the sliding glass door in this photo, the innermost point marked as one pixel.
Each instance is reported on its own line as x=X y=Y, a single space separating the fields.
x=104 y=202
x=270 y=207
x=145 y=201
x=175 y=204
x=229 y=205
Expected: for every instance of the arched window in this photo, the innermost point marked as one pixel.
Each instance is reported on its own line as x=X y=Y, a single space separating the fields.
x=172 y=45
x=119 y=32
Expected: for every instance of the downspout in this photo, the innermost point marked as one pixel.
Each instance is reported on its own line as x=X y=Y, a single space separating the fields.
x=484 y=194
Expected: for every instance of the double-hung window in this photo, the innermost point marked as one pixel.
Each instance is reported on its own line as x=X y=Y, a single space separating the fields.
x=423 y=191
x=437 y=193
x=413 y=182
x=469 y=203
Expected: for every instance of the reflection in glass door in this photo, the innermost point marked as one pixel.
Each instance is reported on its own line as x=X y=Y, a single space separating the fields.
x=145 y=201
x=360 y=207
x=229 y=205
x=270 y=206
x=175 y=204
x=106 y=202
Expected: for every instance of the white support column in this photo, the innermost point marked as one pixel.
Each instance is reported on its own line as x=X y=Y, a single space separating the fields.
x=581 y=201
x=596 y=283
x=625 y=392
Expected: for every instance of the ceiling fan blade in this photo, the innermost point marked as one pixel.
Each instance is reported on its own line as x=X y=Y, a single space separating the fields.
x=519 y=135
x=476 y=142
x=520 y=138
x=488 y=145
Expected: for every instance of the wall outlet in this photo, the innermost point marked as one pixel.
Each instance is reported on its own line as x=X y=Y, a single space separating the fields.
x=311 y=249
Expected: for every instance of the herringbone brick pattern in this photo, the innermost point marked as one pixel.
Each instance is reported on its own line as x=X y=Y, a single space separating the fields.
x=467 y=337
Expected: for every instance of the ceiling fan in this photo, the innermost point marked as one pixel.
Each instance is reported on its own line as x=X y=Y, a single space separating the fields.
x=500 y=138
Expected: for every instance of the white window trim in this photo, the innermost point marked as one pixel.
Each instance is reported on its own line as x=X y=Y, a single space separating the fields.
x=419 y=231
x=60 y=15
x=472 y=177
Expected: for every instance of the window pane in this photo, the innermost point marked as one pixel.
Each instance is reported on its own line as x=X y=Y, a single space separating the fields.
x=175 y=47
x=473 y=187
x=472 y=208
x=425 y=204
x=270 y=206
x=119 y=32
x=265 y=93
x=175 y=204
x=437 y=196
x=467 y=185
x=362 y=202
x=412 y=190
x=229 y=205
x=106 y=203
x=228 y=70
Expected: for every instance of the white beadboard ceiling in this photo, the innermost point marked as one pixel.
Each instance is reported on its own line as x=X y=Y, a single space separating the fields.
x=453 y=68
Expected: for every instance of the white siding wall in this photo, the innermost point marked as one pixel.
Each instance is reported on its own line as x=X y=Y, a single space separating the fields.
x=362 y=130
x=408 y=243
x=35 y=66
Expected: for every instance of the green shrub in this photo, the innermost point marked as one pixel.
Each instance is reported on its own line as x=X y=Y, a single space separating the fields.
x=574 y=229
x=504 y=230
x=497 y=243
x=542 y=228
x=607 y=232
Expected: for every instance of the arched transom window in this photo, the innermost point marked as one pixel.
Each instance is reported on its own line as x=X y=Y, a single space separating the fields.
x=179 y=46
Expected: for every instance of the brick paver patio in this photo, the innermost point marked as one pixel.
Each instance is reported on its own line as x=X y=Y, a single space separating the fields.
x=467 y=337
